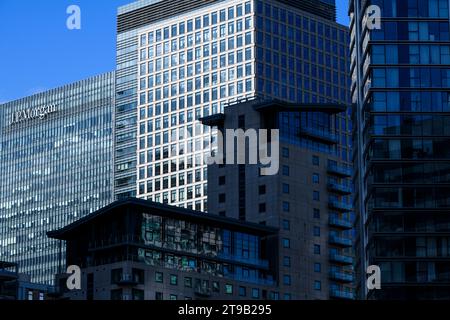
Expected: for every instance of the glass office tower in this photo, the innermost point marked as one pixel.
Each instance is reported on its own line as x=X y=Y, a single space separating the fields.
x=401 y=81
x=55 y=166
x=188 y=63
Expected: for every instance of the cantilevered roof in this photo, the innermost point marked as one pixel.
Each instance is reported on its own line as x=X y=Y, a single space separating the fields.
x=140 y=205
x=213 y=120
x=5 y=264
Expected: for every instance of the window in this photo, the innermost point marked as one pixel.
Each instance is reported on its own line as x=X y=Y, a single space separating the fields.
x=316 y=213
x=262 y=189
x=316 y=249
x=285 y=188
x=222 y=198
x=287 y=243
x=215 y=286
x=316 y=231
x=158 y=296
x=221 y=180
x=159 y=277
x=262 y=207
x=173 y=280
x=173 y=297
x=286 y=206
x=242 y=291
x=285 y=171
x=285 y=152
x=316 y=195
x=30 y=295
x=317 y=267
x=287 y=280
x=229 y=289
x=287 y=261
x=316 y=160
x=317 y=285
x=188 y=282
x=286 y=225
x=248 y=7
x=316 y=178
x=255 y=293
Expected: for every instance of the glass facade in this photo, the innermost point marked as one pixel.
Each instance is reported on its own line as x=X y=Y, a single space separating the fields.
x=125 y=116
x=401 y=80
x=241 y=249
x=174 y=239
x=177 y=69
x=56 y=167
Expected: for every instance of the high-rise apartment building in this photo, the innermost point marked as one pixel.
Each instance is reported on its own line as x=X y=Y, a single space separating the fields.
x=401 y=78
x=135 y=249
x=55 y=166
x=188 y=63
x=307 y=198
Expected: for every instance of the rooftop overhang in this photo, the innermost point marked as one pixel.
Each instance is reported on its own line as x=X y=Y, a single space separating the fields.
x=5 y=265
x=144 y=206
x=215 y=120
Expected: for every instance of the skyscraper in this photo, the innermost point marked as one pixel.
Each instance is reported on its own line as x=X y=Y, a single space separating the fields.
x=188 y=63
x=55 y=166
x=400 y=88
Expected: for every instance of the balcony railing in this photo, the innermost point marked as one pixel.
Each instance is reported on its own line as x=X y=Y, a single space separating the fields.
x=339 y=258
x=339 y=188
x=339 y=205
x=335 y=221
x=341 y=294
x=252 y=261
x=341 y=241
x=341 y=276
x=202 y=291
x=127 y=280
x=324 y=136
x=340 y=170
x=164 y=245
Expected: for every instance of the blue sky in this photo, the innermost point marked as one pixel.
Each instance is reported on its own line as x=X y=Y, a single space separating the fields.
x=38 y=52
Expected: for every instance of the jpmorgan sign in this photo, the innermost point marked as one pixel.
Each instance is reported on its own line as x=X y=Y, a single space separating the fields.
x=33 y=113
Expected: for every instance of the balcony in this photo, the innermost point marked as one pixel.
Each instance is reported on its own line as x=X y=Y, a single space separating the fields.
x=339 y=188
x=127 y=280
x=340 y=241
x=342 y=259
x=340 y=171
x=323 y=136
x=341 y=294
x=340 y=206
x=250 y=261
x=202 y=291
x=337 y=222
x=341 y=276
